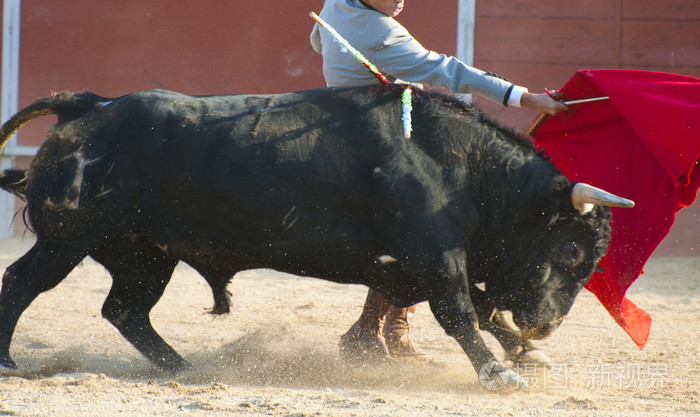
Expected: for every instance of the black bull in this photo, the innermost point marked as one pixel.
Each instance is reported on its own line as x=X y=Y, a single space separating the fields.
x=319 y=183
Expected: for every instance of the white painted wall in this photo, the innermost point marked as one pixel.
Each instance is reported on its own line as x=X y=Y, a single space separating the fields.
x=8 y=104
x=466 y=20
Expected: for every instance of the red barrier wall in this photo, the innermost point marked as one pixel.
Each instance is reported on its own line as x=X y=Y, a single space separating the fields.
x=207 y=47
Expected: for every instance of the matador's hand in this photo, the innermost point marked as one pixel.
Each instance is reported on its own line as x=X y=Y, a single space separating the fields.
x=543 y=103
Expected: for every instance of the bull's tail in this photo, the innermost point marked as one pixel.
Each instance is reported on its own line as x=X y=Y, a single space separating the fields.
x=65 y=105
x=14 y=181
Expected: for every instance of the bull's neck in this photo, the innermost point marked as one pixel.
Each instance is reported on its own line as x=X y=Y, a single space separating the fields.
x=506 y=179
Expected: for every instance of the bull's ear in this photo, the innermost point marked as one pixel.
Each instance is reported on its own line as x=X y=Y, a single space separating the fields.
x=561 y=194
x=557 y=202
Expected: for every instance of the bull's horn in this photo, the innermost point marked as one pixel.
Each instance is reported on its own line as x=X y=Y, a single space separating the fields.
x=584 y=197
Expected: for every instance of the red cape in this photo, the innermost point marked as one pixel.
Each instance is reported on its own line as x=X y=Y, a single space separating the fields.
x=643 y=143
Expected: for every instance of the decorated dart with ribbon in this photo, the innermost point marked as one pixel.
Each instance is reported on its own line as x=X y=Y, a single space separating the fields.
x=345 y=45
x=406 y=98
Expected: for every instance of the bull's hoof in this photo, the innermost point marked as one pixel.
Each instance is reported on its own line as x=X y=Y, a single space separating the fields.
x=494 y=376
x=537 y=357
x=7 y=364
x=222 y=304
x=220 y=309
x=530 y=357
x=172 y=364
x=179 y=368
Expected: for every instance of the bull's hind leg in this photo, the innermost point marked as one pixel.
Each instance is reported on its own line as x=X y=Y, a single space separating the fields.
x=140 y=274
x=39 y=270
x=217 y=278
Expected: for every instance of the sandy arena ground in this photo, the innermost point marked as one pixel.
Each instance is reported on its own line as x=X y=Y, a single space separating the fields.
x=276 y=355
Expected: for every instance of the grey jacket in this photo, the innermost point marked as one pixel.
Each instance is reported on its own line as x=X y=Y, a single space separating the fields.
x=389 y=46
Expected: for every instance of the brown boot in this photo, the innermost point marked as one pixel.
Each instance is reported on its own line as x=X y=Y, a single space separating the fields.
x=396 y=334
x=365 y=339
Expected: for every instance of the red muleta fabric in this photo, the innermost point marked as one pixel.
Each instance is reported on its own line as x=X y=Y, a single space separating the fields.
x=642 y=144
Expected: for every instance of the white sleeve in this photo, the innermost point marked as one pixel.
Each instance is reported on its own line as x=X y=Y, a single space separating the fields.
x=515 y=95
x=403 y=57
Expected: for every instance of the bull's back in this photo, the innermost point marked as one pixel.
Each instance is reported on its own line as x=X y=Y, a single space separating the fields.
x=240 y=171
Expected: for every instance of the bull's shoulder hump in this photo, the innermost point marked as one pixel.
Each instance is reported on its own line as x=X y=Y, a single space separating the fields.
x=157 y=94
x=174 y=96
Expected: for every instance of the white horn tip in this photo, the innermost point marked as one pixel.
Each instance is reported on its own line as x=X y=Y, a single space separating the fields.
x=584 y=197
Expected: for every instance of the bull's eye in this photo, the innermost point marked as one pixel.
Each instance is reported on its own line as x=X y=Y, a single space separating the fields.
x=571 y=255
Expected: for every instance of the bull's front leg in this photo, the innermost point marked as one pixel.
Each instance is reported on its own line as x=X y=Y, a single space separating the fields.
x=452 y=306
x=517 y=349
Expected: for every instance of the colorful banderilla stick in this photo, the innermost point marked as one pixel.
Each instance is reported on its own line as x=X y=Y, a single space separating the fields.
x=345 y=45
